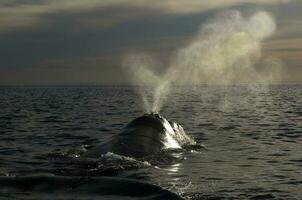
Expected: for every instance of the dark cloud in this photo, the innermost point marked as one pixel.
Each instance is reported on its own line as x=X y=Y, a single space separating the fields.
x=65 y=36
x=60 y=45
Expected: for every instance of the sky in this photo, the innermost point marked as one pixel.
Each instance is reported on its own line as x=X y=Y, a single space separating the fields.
x=76 y=42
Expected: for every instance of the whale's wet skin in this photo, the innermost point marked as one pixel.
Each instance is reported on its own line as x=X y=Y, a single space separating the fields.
x=144 y=136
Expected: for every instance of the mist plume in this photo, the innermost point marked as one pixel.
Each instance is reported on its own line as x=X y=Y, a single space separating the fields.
x=226 y=50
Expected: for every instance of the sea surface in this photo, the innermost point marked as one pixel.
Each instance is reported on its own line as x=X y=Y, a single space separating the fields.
x=252 y=138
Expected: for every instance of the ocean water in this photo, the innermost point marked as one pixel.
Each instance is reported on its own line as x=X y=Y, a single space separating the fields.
x=252 y=137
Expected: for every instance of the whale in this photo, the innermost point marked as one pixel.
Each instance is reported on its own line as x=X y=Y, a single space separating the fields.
x=144 y=136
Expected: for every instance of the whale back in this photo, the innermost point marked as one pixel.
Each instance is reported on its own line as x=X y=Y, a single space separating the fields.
x=143 y=136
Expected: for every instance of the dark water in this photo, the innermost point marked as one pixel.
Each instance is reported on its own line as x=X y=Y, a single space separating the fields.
x=252 y=135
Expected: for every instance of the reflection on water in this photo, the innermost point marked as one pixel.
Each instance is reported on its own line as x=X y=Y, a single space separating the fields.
x=252 y=138
x=173 y=169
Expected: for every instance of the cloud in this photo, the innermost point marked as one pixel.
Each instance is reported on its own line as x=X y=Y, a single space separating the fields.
x=286 y=49
x=289 y=50
x=289 y=28
x=42 y=38
x=191 y=6
x=81 y=70
x=24 y=15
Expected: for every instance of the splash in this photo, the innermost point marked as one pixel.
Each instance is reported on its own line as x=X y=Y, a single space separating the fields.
x=225 y=51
